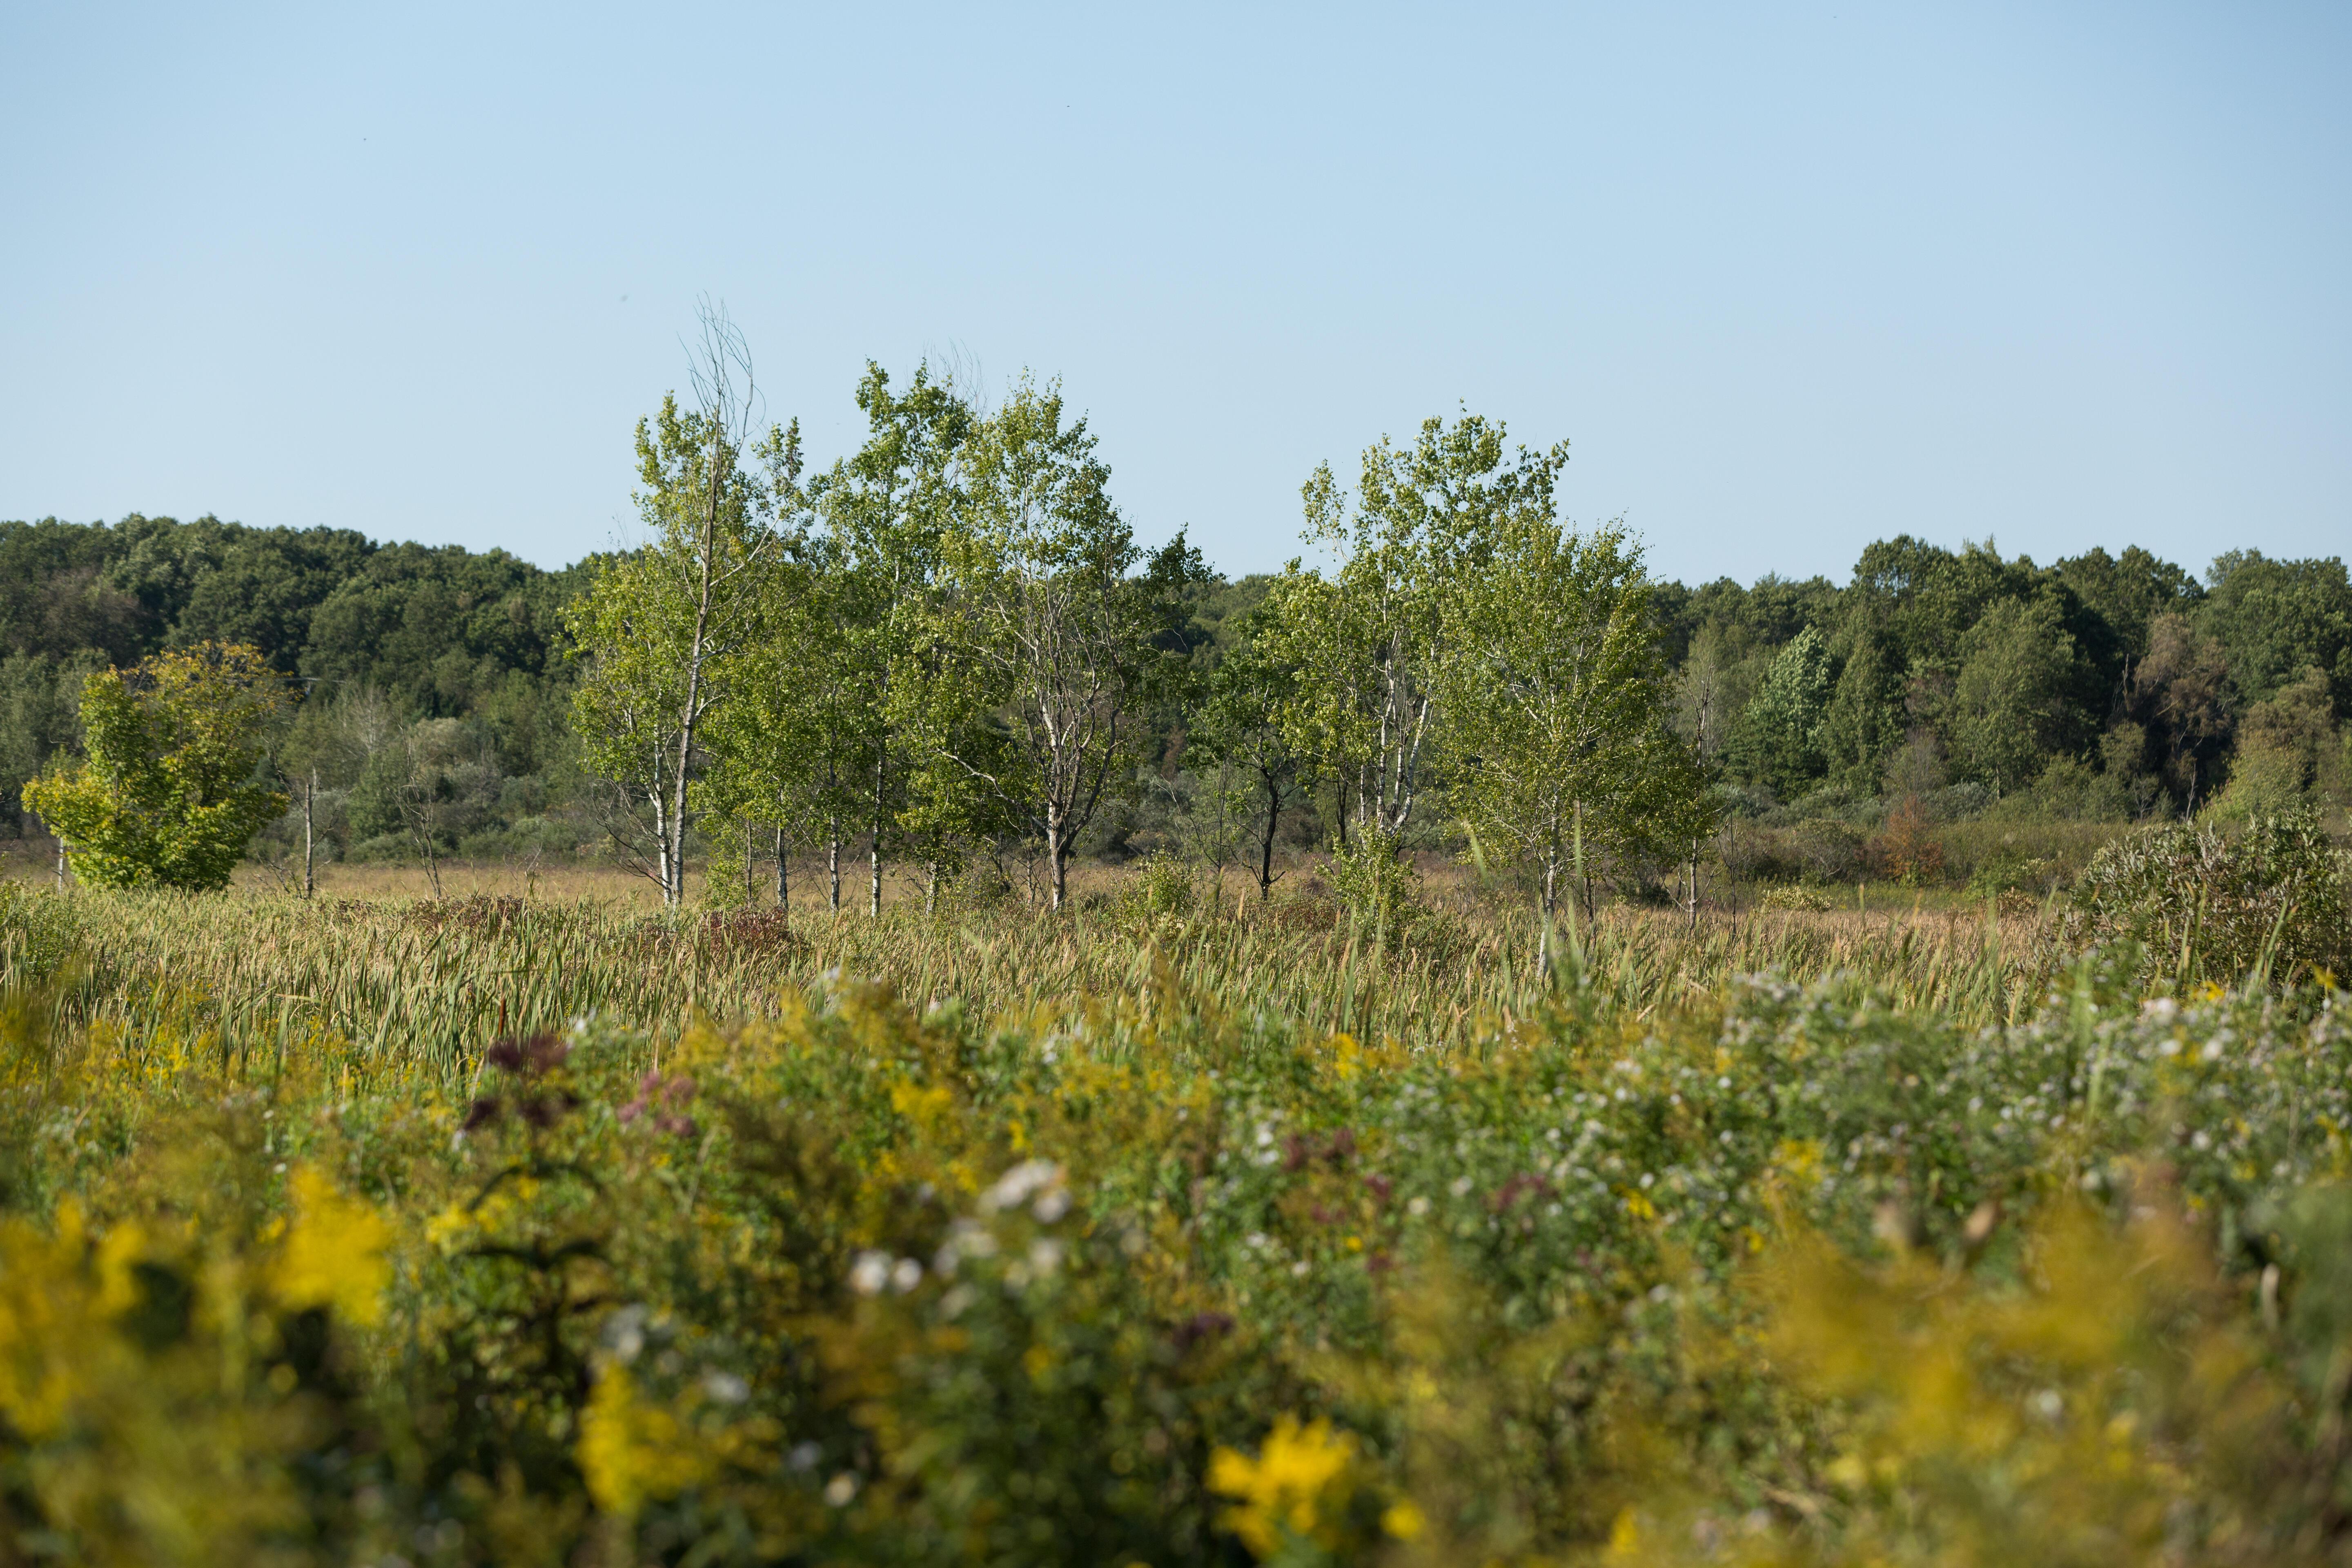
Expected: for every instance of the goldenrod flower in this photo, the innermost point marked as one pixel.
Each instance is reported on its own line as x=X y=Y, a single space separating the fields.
x=631 y=1451
x=1298 y=1485
x=334 y=1254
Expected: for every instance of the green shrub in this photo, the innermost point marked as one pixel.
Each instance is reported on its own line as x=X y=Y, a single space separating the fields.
x=1375 y=880
x=2204 y=908
x=38 y=932
x=1163 y=885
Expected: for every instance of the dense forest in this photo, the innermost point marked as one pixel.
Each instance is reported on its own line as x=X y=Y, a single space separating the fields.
x=438 y=684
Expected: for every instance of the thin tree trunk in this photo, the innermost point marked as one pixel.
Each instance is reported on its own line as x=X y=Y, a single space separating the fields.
x=783 y=883
x=309 y=794
x=674 y=891
x=1583 y=888
x=1056 y=863
x=61 y=862
x=1265 y=848
x=874 y=901
x=1548 y=904
x=931 y=890
x=833 y=857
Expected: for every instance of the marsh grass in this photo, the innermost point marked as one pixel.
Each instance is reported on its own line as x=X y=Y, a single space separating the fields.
x=420 y=984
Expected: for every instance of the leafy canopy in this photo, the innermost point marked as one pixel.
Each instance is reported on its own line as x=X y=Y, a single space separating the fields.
x=166 y=797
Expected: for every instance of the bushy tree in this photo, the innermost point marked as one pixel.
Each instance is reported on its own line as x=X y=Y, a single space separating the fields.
x=1046 y=633
x=2291 y=753
x=2008 y=704
x=167 y=796
x=1779 y=737
x=1864 y=723
x=1371 y=641
x=1555 y=707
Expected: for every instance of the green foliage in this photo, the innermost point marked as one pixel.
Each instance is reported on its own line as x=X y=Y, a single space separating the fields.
x=1374 y=881
x=1556 y=708
x=441 y=633
x=1239 y=723
x=166 y=797
x=879 y=698
x=1780 y=739
x=1864 y=725
x=1163 y=886
x=664 y=633
x=2275 y=620
x=851 y=1283
x=2193 y=906
x=1053 y=646
x=2007 y=707
x=2129 y=592
x=39 y=933
x=2290 y=754
x=1371 y=644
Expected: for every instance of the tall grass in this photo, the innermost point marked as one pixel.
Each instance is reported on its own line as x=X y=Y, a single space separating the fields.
x=421 y=983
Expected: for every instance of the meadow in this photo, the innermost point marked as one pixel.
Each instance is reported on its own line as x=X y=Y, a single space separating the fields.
x=541 y=1225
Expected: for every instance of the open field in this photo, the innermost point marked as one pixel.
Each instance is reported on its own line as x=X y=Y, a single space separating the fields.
x=564 y=1230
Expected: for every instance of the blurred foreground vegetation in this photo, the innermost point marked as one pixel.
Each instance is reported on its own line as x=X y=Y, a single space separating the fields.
x=1167 y=1231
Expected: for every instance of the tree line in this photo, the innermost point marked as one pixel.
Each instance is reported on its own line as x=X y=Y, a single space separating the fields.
x=949 y=647
x=2116 y=686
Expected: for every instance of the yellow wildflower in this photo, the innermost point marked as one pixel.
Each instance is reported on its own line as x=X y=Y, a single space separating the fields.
x=334 y=1254
x=631 y=1451
x=118 y=1287
x=1297 y=1485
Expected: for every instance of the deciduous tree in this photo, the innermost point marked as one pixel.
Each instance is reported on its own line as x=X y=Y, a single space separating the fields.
x=1046 y=634
x=1368 y=641
x=662 y=629
x=167 y=796
x=1557 y=706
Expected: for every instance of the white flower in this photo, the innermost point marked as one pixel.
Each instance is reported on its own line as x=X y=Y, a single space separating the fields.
x=869 y=1273
x=1045 y=1255
x=840 y=1490
x=1051 y=1205
x=725 y=1387
x=1013 y=1188
x=905 y=1275
x=1417 y=1207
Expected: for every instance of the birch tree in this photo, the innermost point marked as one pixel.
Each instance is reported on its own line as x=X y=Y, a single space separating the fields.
x=662 y=630
x=1559 y=709
x=1050 y=642
x=1368 y=641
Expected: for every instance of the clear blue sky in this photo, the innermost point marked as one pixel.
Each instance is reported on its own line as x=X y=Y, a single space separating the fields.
x=1789 y=278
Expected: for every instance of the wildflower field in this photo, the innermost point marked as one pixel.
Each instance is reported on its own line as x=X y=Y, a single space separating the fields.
x=496 y=1231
